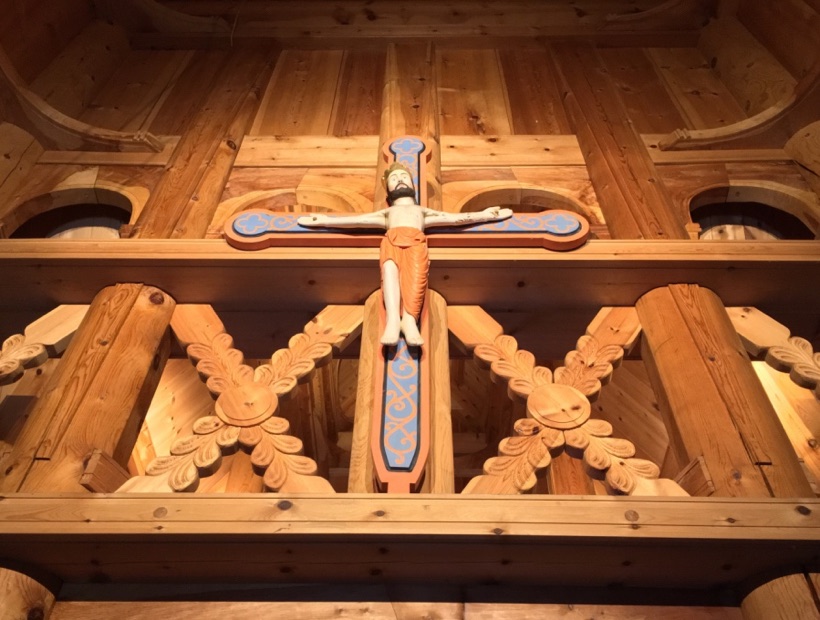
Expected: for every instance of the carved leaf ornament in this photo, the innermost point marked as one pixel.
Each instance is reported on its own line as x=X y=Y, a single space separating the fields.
x=246 y=401
x=558 y=410
x=17 y=355
x=796 y=357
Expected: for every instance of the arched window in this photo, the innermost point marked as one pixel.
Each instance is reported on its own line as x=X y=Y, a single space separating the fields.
x=80 y=221
x=749 y=221
x=748 y=213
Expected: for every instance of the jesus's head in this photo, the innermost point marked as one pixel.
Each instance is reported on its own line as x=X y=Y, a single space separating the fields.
x=398 y=181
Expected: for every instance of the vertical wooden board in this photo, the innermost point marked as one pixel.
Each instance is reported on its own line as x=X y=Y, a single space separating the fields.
x=629 y=404
x=533 y=92
x=472 y=97
x=409 y=100
x=799 y=413
x=127 y=100
x=357 y=108
x=32 y=34
x=648 y=103
x=440 y=468
x=188 y=92
x=566 y=476
x=361 y=479
x=300 y=95
x=750 y=71
x=702 y=99
x=76 y=75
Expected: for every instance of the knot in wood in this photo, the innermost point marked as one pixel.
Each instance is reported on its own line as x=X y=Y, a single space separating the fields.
x=156 y=298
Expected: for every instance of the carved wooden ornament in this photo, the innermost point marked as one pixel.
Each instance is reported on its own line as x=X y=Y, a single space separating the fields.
x=246 y=403
x=558 y=411
x=17 y=355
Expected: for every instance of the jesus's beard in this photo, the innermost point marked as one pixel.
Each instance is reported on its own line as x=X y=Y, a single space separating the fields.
x=402 y=191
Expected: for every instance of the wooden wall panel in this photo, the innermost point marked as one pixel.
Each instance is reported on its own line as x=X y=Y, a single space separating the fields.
x=647 y=101
x=33 y=33
x=358 y=102
x=300 y=95
x=702 y=99
x=131 y=98
x=472 y=98
x=750 y=71
x=76 y=75
x=533 y=92
x=787 y=28
x=188 y=93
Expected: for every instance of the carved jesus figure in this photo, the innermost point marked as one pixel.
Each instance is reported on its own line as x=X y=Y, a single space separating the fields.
x=403 y=253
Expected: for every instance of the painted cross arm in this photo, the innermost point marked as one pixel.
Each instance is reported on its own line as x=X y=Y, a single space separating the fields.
x=554 y=230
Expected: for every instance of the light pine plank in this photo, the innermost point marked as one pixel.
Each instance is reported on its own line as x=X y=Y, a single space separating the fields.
x=533 y=93
x=300 y=96
x=703 y=100
x=472 y=97
x=358 y=102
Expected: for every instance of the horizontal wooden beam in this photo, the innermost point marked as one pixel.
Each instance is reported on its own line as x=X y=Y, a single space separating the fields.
x=40 y=274
x=589 y=541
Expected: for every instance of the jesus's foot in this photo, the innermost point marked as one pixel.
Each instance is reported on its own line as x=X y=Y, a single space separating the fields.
x=390 y=336
x=411 y=331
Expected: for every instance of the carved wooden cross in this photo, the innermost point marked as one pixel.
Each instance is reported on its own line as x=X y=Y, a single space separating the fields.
x=401 y=417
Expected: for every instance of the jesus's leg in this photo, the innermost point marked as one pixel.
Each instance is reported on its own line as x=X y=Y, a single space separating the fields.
x=391 y=293
x=410 y=329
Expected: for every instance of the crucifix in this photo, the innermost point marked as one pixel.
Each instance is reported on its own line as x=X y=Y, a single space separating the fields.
x=400 y=434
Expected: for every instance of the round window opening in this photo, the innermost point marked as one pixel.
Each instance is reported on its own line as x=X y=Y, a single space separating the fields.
x=80 y=221
x=747 y=221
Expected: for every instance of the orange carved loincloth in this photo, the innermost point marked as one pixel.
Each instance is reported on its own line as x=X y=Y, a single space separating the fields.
x=407 y=247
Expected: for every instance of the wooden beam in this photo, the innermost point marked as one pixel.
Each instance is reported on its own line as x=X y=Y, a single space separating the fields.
x=630 y=191
x=108 y=373
x=195 y=165
x=349 y=538
x=714 y=405
x=601 y=273
x=323 y=20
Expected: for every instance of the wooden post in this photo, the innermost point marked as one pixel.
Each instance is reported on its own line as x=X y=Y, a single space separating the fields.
x=23 y=598
x=410 y=107
x=99 y=393
x=786 y=598
x=631 y=193
x=712 y=401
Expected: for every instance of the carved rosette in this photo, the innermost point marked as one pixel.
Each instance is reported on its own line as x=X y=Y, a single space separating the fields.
x=17 y=355
x=558 y=410
x=245 y=407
